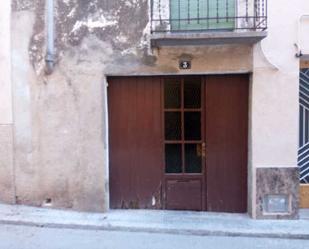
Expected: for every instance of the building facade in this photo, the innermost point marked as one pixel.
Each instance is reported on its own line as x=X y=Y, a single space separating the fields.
x=190 y=105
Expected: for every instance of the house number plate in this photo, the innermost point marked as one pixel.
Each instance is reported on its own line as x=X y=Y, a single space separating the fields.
x=185 y=64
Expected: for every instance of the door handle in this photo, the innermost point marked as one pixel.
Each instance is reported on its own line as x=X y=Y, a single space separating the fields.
x=203 y=150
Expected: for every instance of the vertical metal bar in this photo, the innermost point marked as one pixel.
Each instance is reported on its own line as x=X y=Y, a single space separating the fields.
x=259 y=13
x=170 y=15
x=179 y=14
x=266 y=16
x=198 y=11
x=300 y=126
x=263 y=12
x=247 y=10
x=207 y=14
x=217 y=11
x=304 y=124
x=227 y=10
x=188 y=11
x=254 y=14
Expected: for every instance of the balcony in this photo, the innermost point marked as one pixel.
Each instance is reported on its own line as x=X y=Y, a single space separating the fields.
x=202 y=22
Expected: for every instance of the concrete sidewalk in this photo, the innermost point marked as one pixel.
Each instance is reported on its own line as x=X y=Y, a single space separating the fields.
x=168 y=222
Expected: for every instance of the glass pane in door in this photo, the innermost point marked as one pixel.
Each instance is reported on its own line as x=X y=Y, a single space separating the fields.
x=172 y=94
x=192 y=93
x=193 y=158
x=173 y=158
x=172 y=126
x=192 y=121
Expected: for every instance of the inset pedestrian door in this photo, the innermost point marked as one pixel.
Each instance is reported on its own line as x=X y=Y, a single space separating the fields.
x=184 y=143
x=179 y=143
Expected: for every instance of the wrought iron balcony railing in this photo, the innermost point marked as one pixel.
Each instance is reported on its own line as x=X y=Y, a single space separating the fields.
x=208 y=15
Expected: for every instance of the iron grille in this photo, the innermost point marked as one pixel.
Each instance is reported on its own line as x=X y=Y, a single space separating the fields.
x=303 y=152
x=208 y=15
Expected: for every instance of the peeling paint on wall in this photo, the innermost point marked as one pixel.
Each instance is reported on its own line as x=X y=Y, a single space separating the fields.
x=123 y=24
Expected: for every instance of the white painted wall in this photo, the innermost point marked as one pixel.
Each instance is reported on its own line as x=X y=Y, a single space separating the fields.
x=6 y=115
x=5 y=64
x=274 y=96
x=303 y=40
x=275 y=87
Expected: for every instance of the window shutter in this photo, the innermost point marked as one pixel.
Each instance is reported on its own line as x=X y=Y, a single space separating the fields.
x=202 y=14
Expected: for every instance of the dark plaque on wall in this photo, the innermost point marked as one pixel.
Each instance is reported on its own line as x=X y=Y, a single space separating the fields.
x=184 y=64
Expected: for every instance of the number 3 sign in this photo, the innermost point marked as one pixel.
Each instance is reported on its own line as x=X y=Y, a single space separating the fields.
x=185 y=64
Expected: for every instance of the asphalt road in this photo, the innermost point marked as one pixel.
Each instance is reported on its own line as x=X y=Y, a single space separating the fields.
x=23 y=237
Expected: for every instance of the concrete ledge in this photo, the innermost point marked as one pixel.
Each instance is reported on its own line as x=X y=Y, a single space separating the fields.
x=171 y=222
x=207 y=38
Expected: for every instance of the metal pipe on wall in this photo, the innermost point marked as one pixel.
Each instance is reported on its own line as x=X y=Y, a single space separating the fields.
x=49 y=59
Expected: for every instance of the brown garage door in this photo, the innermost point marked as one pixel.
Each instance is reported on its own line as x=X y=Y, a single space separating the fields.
x=179 y=142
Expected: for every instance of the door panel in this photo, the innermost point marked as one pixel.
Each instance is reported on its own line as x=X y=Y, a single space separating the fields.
x=226 y=142
x=184 y=191
x=135 y=142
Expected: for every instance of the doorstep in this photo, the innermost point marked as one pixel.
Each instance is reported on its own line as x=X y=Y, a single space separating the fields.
x=158 y=221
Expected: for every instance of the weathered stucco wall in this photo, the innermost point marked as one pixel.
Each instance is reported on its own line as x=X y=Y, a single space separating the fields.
x=60 y=119
x=60 y=124
x=59 y=142
x=6 y=116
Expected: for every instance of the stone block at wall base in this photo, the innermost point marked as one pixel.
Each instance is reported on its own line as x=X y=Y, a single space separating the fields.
x=277 y=193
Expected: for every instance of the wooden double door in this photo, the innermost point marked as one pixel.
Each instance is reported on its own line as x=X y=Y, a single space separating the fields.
x=179 y=143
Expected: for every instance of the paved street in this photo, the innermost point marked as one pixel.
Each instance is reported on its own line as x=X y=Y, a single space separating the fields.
x=26 y=237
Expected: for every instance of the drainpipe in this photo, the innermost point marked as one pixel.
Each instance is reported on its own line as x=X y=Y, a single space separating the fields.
x=49 y=59
x=299 y=43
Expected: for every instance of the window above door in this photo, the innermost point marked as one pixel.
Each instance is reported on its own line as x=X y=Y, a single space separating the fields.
x=211 y=20
x=200 y=15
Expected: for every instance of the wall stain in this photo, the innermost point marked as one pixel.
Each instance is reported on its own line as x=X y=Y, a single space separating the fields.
x=122 y=24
